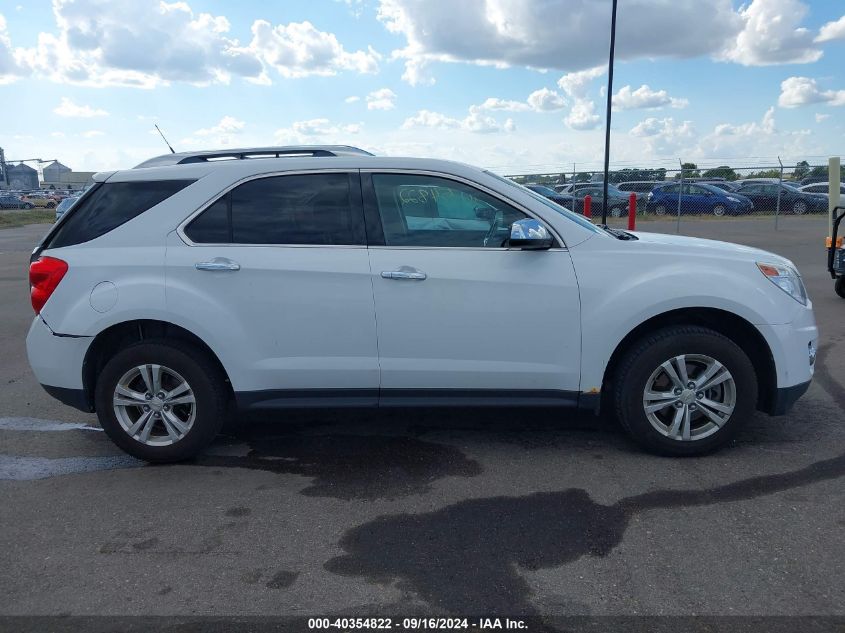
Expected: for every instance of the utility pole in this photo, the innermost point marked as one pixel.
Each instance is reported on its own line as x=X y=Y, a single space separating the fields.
x=607 y=117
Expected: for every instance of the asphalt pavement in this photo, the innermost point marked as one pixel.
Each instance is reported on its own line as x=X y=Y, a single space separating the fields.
x=520 y=513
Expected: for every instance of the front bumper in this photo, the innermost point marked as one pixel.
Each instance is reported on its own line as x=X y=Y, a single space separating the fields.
x=785 y=397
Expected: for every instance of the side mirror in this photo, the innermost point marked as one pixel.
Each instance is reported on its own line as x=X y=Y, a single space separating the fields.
x=530 y=235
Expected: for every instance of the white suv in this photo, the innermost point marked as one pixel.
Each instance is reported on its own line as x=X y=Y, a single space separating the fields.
x=325 y=276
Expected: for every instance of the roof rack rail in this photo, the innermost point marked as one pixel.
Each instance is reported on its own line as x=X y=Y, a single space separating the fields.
x=183 y=158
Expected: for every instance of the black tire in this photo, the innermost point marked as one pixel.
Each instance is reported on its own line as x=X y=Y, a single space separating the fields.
x=647 y=354
x=660 y=209
x=618 y=212
x=28 y=206
x=720 y=210
x=839 y=286
x=799 y=207
x=201 y=373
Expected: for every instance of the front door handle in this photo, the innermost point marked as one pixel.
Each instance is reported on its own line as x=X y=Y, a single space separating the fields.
x=403 y=274
x=218 y=263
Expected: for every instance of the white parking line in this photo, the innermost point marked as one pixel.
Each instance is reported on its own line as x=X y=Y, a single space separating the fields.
x=37 y=424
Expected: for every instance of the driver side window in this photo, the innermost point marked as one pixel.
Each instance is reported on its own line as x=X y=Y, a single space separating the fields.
x=430 y=211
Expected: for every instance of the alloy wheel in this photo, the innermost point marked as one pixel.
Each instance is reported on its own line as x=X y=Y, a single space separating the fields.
x=154 y=405
x=689 y=397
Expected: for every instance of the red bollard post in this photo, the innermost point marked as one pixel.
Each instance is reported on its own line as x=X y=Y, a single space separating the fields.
x=632 y=212
x=588 y=206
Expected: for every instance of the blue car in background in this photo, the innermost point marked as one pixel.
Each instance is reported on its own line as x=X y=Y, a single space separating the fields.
x=697 y=198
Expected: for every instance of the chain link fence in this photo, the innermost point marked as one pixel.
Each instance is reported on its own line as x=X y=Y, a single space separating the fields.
x=767 y=193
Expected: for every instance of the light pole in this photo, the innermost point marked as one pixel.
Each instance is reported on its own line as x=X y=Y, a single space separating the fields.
x=607 y=117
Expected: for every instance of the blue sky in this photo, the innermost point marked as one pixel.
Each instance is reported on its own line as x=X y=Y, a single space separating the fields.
x=507 y=84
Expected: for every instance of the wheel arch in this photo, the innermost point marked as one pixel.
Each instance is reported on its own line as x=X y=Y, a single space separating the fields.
x=120 y=335
x=730 y=325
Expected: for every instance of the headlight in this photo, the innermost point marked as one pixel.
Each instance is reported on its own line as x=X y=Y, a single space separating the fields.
x=732 y=199
x=650 y=195
x=786 y=278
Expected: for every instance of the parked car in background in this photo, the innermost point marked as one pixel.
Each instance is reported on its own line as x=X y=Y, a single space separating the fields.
x=563 y=200
x=724 y=185
x=820 y=187
x=8 y=201
x=640 y=186
x=343 y=278
x=564 y=188
x=764 y=195
x=39 y=200
x=617 y=201
x=64 y=206
x=697 y=198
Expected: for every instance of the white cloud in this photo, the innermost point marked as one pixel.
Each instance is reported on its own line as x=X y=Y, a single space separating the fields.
x=583 y=116
x=663 y=136
x=772 y=35
x=559 y=34
x=352 y=99
x=545 y=100
x=507 y=105
x=476 y=121
x=319 y=130
x=93 y=133
x=800 y=91
x=145 y=43
x=68 y=108
x=227 y=125
x=822 y=117
x=10 y=69
x=576 y=84
x=644 y=98
x=299 y=49
x=542 y=100
x=832 y=31
x=766 y=126
x=383 y=99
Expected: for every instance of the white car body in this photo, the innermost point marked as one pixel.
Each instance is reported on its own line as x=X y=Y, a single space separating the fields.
x=307 y=325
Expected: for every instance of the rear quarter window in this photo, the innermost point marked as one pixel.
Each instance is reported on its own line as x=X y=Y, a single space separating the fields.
x=108 y=206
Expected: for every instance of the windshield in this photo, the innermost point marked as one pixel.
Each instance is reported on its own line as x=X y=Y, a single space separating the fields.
x=791 y=188
x=551 y=205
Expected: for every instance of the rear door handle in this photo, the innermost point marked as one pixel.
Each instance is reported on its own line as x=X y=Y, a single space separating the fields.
x=218 y=263
x=404 y=274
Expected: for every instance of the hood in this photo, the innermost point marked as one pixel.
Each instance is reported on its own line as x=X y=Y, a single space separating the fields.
x=686 y=246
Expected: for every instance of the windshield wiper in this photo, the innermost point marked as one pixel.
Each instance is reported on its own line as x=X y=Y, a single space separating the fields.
x=618 y=233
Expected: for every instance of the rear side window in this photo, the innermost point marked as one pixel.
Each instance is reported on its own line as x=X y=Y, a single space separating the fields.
x=296 y=209
x=108 y=206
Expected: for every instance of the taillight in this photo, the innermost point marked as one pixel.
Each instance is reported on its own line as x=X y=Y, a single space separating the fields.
x=45 y=273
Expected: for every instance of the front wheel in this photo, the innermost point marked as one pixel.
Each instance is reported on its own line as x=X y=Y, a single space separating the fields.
x=28 y=206
x=660 y=209
x=616 y=212
x=161 y=401
x=799 y=208
x=684 y=390
x=839 y=286
x=719 y=210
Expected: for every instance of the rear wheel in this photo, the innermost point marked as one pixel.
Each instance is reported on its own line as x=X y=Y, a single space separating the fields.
x=839 y=286
x=799 y=208
x=660 y=209
x=684 y=390
x=616 y=212
x=160 y=401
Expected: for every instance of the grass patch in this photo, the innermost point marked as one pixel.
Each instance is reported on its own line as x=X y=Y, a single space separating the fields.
x=10 y=219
